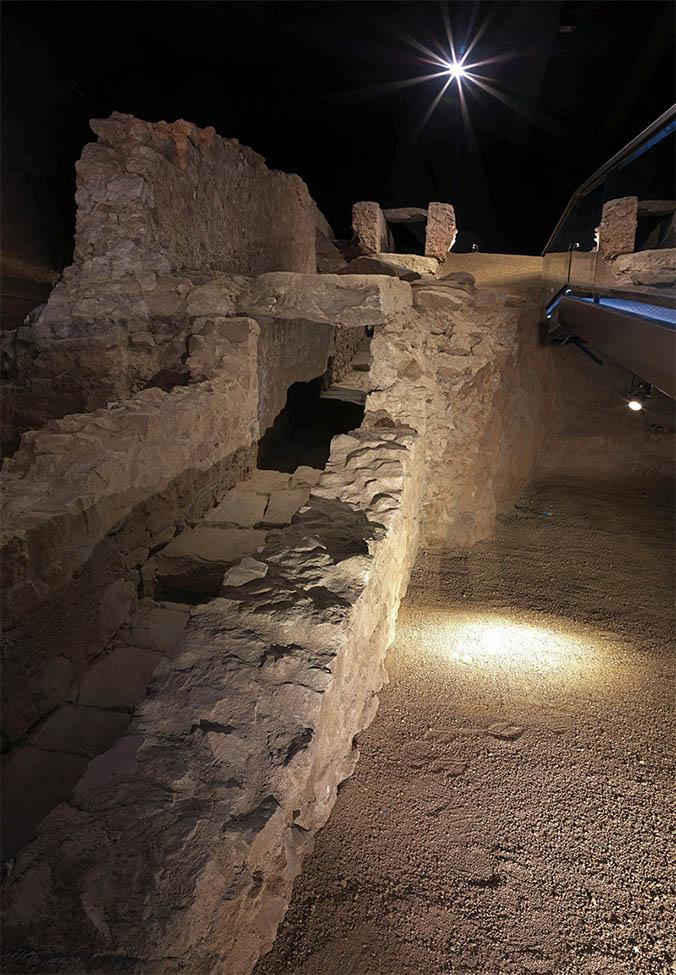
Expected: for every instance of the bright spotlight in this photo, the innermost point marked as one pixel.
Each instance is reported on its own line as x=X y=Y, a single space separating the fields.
x=456 y=70
x=637 y=396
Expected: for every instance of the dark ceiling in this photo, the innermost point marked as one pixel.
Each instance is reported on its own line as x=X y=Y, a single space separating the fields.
x=302 y=83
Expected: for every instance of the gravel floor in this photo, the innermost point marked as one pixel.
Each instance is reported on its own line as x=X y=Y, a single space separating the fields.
x=510 y=810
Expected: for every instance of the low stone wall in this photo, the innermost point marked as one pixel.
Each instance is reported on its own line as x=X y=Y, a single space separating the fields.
x=138 y=469
x=168 y=216
x=233 y=762
x=163 y=197
x=179 y=845
x=490 y=395
x=123 y=470
x=499 y=395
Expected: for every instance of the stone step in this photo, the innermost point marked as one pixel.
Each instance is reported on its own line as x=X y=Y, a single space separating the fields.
x=283 y=505
x=196 y=560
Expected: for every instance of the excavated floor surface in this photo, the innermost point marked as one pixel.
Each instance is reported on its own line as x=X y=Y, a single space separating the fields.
x=509 y=813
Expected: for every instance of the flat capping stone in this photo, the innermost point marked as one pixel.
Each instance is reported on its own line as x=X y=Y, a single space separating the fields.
x=351 y=300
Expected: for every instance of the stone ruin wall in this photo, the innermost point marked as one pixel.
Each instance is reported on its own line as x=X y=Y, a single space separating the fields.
x=163 y=210
x=213 y=785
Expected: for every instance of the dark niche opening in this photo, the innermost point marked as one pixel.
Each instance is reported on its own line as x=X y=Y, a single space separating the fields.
x=408 y=238
x=302 y=433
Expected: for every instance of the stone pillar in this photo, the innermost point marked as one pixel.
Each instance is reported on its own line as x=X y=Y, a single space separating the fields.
x=441 y=230
x=617 y=230
x=369 y=229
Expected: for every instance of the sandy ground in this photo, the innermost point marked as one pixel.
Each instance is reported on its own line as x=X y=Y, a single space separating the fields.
x=513 y=272
x=510 y=810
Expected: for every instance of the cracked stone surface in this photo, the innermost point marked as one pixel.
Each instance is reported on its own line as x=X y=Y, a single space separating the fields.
x=196 y=560
x=238 y=507
x=617 y=230
x=352 y=300
x=283 y=505
x=441 y=230
x=369 y=229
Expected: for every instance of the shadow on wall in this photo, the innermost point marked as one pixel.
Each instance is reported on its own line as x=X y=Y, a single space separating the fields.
x=302 y=433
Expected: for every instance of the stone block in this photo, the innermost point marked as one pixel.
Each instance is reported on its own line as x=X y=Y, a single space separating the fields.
x=329 y=258
x=159 y=626
x=119 y=679
x=217 y=297
x=195 y=561
x=265 y=482
x=458 y=279
x=352 y=300
x=441 y=230
x=369 y=229
x=617 y=230
x=78 y=730
x=405 y=215
x=437 y=300
x=647 y=268
x=408 y=267
x=283 y=505
x=306 y=475
x=238 y=507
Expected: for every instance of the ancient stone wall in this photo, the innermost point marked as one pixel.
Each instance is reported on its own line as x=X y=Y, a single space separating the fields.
x=163 y=197
x=499 y=395
x=166 y=213
x=233 y=761
x=87 y=497
x=212 y=794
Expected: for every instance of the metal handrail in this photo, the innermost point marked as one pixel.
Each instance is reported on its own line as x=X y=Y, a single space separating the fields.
x=667 y=119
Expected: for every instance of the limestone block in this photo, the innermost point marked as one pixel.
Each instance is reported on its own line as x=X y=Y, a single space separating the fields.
x=647 y=268
x=80 y=730
x=217 y=297
x=369 y=229
x=245 y=571
x=283 y=505
x=352 y=300
x=238 y=507
x=408 y=267
x=459 y=279
x=159 y=626
x=119 y=679
x=436 y=301
x=376 y=264
x=263 y=481
x=405 y=215
x=617 y=230
x=306 y=475
x=196 y=560
x=441 y=230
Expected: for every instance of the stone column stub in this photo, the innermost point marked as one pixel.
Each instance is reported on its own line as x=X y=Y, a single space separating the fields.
x=370 y=234
x=617 y=230
x=441 y=230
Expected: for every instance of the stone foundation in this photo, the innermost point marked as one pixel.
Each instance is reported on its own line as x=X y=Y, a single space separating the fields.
x=191 y=651
x=163 y=211
x=232 y=762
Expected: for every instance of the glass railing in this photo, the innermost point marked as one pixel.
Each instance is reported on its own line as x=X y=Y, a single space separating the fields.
x=618 y=233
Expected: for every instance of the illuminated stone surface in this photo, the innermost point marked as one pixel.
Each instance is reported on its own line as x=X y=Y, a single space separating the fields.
x=353 y=300
x=617 y=230
x=369 y=229
x=441 y=230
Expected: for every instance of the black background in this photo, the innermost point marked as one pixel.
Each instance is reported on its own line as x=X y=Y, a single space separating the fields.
x=299 y=83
